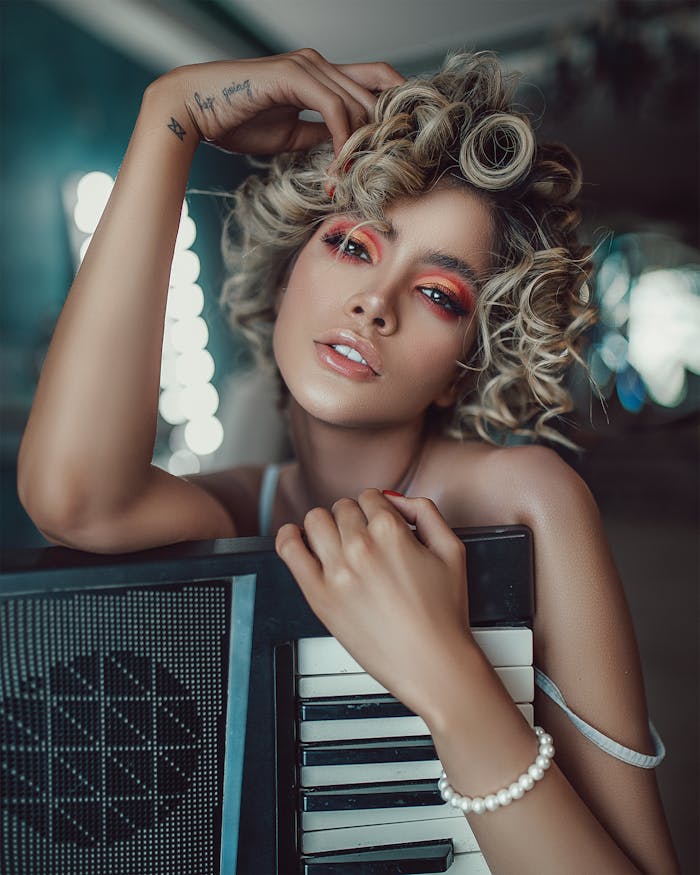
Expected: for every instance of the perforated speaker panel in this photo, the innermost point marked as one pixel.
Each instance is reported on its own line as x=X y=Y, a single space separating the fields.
x=112 y=719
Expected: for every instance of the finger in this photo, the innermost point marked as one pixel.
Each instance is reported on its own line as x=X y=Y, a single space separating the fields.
x=358 y=102
x=379 y=511
x=362 y=99
x=303 y=565
x=308 y=134
x=376 y=76
x=349 y=519
x=322 y=536
x=431 y=527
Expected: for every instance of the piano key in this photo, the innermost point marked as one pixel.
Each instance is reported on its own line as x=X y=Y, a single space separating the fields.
x=414 y=859
x=399 y=750
x=390 y=727
x=352 y=708
x=508 y=645
x=519 y=681
x=363 y=773
x=322 y=820
x=467 y=864
x=456 y=829
x=354 y=797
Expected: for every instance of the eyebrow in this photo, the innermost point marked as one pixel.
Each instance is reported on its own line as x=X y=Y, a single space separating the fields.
x=438 y=258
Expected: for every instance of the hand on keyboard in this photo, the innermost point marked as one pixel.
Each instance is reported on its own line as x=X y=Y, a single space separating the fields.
x=395 y=597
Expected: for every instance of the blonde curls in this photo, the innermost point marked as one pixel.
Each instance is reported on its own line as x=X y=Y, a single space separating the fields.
x=455 y=128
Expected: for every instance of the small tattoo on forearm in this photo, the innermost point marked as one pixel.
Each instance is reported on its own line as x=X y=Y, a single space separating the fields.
x=177 y=128
x=236 y=87
x=204 y=102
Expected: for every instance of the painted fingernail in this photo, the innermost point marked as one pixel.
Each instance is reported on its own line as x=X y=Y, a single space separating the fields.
x=329 y=189
x=391 y=492
x=348 y=164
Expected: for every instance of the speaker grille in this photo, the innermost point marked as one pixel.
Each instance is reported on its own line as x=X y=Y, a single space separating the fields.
x=112 y=726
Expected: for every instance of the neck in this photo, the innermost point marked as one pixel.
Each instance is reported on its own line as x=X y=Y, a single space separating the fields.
x=336 y=462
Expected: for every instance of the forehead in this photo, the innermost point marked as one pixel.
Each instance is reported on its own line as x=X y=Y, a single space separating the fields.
x=454 y=220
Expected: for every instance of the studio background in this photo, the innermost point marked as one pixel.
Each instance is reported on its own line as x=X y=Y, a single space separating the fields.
x=617 y=82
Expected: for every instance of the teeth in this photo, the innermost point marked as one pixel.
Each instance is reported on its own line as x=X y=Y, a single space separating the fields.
x=349 y=352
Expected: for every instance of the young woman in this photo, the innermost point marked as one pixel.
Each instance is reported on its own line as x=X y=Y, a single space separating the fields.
x=420 y=285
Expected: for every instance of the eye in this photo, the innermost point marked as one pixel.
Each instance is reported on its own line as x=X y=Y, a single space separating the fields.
x=443 y=299
x=346 y=246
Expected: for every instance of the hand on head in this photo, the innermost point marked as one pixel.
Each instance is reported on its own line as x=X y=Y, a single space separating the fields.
x=252 y=106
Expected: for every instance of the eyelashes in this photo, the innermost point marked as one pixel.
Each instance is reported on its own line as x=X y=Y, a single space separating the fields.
x=352 y=248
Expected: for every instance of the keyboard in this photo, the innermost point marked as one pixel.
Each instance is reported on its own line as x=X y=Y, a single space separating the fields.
x=183 y=710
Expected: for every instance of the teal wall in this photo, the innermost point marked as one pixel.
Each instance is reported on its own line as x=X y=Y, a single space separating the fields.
x=68 y=103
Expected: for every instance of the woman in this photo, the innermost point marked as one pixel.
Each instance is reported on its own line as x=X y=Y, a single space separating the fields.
x=422 y=289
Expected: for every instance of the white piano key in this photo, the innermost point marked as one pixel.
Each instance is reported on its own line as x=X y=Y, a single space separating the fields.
x=359 y=837
x=504 y=646
x=385 y=727
x=369 y=773
x=519 y=680
x=324 y=820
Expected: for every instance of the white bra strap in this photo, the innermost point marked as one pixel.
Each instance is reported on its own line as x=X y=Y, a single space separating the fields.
x=268 y=490
x=614 y=748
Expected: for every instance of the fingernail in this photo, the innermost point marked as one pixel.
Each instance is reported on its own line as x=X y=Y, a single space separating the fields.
x=348 y=164
x=391 y=492
x=329 y=189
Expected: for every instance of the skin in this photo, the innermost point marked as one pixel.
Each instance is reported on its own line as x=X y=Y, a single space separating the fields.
x=362 y=569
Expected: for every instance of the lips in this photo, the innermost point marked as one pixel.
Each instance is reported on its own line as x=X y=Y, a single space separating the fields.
x=347 y=342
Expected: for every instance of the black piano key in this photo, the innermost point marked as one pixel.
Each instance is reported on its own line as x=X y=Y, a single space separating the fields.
x=362 y=796
x=395 y=750
x=354 y=707
x=396 y=860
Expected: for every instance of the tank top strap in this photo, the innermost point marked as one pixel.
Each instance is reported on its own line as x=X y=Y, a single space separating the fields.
x=608 y=745
x=266 y=502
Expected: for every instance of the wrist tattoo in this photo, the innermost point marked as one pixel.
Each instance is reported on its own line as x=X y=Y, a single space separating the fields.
x=177 y=128
x=237 y=87
x=203 y=103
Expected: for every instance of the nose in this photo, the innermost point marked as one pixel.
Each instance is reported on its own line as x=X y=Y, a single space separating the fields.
x=374 y=308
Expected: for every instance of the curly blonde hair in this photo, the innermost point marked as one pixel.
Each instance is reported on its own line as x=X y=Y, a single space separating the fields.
x=457 y=127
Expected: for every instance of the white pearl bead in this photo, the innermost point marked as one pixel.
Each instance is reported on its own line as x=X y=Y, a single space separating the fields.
x=478 y=806
x=535 y=772
x=456 y=800
x=546 y=738
x=526 y=782
x=465 y=804
x=491 y=802
x=539 y=731
x=516 y=791
x=448 y=793
x=547 y=750
x=543 y=762
x=442 y=783
x=504 y=797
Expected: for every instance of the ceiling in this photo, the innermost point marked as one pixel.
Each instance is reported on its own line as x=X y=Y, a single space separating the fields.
x=618 y=78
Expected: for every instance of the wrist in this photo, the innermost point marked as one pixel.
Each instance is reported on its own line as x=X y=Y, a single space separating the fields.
x=163 y=107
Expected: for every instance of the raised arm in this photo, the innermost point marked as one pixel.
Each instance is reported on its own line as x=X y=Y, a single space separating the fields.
x=398 y=604
x=84 y=468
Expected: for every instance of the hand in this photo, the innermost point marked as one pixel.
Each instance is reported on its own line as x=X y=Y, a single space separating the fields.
x=395 y=599
x=252 y=106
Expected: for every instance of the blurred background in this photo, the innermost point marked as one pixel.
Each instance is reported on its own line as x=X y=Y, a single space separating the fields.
x=617 y=81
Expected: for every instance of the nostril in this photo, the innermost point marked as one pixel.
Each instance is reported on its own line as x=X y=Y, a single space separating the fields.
x=357 y=309
x=380 y=322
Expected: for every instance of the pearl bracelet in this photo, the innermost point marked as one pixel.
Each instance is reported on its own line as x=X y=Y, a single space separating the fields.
x=526 y=781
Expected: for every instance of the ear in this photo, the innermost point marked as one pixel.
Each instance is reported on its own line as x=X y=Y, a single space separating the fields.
x=448 y=397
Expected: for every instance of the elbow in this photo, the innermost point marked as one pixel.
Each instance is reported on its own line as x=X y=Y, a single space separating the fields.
x=53 y=508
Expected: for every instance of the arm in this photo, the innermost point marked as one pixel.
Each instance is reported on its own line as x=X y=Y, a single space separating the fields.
x=370 y=573
x=84 y=468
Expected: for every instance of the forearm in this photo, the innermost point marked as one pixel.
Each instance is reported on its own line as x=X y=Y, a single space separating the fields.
x=484 y=744
x=89 y=439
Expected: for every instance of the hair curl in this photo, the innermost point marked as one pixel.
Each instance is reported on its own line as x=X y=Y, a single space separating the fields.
x=457 y=128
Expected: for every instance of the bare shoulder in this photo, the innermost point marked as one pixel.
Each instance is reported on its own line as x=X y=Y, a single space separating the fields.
x=481 y=484
x=237 y=489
